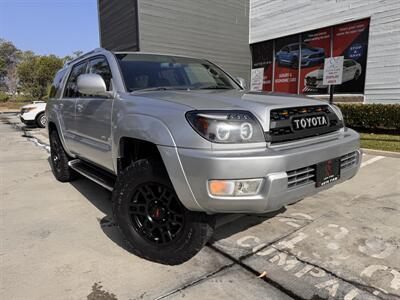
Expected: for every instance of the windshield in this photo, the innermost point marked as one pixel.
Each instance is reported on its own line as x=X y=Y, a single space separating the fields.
x=148 y=71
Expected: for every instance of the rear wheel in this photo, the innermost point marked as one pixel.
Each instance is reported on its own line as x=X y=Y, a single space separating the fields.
x=41 y=120
x=59 y=159
x=154 y=222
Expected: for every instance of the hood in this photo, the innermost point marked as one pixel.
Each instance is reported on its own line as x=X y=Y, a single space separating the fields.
x=256 y=102
x=318 y=73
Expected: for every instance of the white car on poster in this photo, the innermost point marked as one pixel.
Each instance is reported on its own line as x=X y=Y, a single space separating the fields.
x=351 y=71
x=34 y=114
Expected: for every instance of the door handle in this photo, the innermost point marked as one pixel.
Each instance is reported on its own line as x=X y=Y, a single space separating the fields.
x=61 y=105
x=79 y=107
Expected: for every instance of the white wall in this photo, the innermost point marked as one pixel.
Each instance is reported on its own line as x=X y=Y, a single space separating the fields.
x=215 y=30
x=271 y=19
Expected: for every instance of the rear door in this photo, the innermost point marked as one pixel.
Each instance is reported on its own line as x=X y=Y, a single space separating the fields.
x=93 y=119
x=66 y=106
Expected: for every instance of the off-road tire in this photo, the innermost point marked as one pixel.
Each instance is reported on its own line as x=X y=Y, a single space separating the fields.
x=196 y=229
x=41 y=120
x=59 y=159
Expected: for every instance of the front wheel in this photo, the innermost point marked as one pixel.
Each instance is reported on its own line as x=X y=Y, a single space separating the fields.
x=154 y=222
x=41 y=120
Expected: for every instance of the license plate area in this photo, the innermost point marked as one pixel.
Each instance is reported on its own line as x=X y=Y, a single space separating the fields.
x=327 y=172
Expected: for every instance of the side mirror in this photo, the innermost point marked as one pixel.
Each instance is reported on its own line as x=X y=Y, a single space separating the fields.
x=92 y=84
x=242 y=82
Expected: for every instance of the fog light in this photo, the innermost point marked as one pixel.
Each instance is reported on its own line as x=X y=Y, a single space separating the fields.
x=245 y=187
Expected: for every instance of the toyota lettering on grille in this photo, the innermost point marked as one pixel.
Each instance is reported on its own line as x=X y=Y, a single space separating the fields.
x=300 y=123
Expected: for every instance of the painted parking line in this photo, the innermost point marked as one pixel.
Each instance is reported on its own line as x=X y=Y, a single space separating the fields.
x=371 y=161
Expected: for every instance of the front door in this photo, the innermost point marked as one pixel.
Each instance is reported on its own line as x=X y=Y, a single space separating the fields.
x=93 y=119
x=66 y=106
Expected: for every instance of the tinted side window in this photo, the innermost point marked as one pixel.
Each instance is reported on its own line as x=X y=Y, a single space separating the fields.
x=100 y=66
x=71 y=88
x=55 y=89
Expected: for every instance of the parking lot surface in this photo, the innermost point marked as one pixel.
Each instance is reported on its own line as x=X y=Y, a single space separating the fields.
x=58 y=241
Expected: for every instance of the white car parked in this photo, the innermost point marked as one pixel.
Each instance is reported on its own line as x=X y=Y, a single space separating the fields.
x=34 y=114
x=351 y=70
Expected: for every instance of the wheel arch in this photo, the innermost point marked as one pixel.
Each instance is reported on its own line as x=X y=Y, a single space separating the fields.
x=131 y=149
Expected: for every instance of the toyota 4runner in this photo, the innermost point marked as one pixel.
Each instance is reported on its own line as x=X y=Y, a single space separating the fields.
x=177 y=140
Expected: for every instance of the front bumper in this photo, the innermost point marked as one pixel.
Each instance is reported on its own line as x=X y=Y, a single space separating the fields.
x=199 y=166
x=26 y=121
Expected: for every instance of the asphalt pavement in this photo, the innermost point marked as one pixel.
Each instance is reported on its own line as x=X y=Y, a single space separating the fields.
x=58 y=241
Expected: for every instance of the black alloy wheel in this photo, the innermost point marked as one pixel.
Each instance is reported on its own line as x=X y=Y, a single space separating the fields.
x=151 y=217
x=156 y=213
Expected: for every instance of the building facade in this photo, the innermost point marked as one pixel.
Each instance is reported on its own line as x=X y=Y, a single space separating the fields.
x=214 y=30
x=279 y=45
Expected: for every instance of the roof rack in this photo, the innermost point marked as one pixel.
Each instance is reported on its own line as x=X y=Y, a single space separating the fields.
x=83 y=56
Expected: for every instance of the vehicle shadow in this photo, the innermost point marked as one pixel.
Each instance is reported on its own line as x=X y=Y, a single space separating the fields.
x=230 y=224
x=226 y=224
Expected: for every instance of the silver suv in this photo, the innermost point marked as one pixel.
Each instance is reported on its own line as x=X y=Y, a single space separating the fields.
x=177 y=140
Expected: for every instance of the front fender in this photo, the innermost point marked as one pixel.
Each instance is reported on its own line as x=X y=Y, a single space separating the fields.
x=151 y=129
x=142 y=127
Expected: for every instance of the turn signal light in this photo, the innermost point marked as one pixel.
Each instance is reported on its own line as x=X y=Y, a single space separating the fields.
x=242 y=187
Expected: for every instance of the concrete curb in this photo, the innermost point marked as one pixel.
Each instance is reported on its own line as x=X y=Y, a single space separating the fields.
x=381 y=152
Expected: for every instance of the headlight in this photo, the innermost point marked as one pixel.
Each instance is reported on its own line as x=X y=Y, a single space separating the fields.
x=27 y=109
x=226 y=126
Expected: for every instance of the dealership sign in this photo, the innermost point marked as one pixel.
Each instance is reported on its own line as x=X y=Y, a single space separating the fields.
x=333 y=70
x=257 y=77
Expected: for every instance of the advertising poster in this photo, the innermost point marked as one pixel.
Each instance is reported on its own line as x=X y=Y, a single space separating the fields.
x=351 y=41
x=315 y=47
x=286 y=64
x=262 y=57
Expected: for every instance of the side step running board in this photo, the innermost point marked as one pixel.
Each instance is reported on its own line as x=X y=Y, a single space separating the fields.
x=93 y=173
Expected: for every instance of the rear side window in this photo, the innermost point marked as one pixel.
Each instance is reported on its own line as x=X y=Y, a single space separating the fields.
x=71 y=88
x=55 y=89
x=99 y=65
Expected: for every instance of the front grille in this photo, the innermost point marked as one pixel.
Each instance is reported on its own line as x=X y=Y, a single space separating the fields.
x=349 y=160
x=281 y=128
x=301 y=176
x=306 y=175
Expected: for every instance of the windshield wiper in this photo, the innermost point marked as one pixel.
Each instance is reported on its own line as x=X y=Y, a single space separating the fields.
x=215 y=87
x=160 y=88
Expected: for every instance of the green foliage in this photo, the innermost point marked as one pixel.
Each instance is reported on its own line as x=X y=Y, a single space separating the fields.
x=371 y=116
x=4 y=97
x=36 y=73
x=9 y=58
